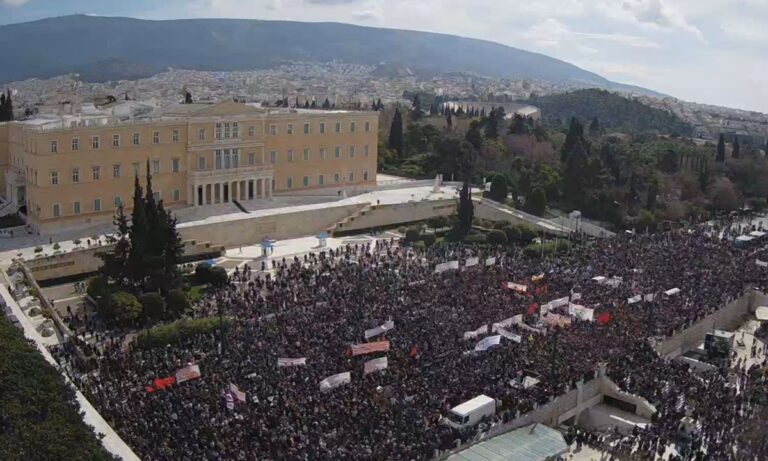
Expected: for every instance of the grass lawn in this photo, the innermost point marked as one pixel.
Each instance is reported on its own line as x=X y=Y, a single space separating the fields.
x=196 y=292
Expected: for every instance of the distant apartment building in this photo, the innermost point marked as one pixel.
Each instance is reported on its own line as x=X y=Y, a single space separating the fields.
x=76 y=172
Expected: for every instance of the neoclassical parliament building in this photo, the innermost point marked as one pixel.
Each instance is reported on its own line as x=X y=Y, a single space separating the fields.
x=76 y=170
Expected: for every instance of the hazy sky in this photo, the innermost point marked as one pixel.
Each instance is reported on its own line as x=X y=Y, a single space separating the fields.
x=712 y=51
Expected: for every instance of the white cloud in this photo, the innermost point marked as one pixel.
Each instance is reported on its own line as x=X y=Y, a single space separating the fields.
x=552 y=32
x=14 y=2
x=745 y=29
x=660 y=14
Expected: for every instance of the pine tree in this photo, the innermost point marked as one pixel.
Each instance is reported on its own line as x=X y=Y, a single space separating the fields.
x=138 y=236
x=720 y=149
x=115 y=264
x=172 y=250
x=466 y=209
x=9 y=106
x=306 y=103
x=416 y=109
x=736 y=148
x=575 y=135
x=594 y=127
x=187 y=97
x=396 y=133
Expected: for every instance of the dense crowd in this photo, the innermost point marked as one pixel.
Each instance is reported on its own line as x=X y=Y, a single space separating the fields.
x=318 y=305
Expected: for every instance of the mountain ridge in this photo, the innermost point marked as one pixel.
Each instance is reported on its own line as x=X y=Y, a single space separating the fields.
x=67 y=44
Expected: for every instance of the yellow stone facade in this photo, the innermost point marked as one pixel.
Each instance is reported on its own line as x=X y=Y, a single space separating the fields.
x=198 y=154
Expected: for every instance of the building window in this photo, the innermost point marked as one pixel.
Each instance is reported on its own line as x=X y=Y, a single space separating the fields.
x=365 y=175
x=367 y=126
x=289 y=130
x=97 y=204
x=217 y=159
x=251 y=158
x=156 y=137
x=235 y=130
x=75 y=143
x=115 y=171
x=94 y=142
x=351 y=151
x=306 y=128
x=351 y=177
x=320 y=180
x=290 y=155
x=175 y=135
x=136 y=169
x=115 y=140
x=218 y=130
x=96 y=173
x=75 y=175
x=201 y=134
x=352 y=127
x=273 y=130
x=336 y=177
x=323 y=151
x=76 y=207
x=272 y=157
x=366 y=150
x=117 y=202
x=176 y=195
x=56 y=210
x=289 y=183
x=305 y=181
x=54 y=147
x=200 y=163
x=175 y=165
x=322 y=127
x=307 y=154
x=155 y=166
x=136 y=139
x=337 y=152
x=338 y=127
x=251 y=131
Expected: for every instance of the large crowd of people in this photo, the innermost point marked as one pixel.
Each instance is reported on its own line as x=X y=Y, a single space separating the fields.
x=317 y=306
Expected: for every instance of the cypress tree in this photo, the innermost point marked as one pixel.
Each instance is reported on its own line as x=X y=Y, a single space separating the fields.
x=449 y=121
x=736 y=148
x=396 y=133
x=138 y=235
x=720 y=149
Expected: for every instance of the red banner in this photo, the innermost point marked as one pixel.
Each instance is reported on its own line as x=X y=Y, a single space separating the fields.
x=369 y=348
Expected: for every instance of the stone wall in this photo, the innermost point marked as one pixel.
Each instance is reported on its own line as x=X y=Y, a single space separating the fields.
x=386 y=215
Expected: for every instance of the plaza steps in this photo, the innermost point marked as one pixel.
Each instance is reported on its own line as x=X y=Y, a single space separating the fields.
x=339 y=225
x=7 y=208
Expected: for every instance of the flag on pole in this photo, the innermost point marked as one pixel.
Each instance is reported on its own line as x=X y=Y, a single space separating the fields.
x=604 y=318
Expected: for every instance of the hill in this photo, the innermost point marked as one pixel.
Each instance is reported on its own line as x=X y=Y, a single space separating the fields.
x=615 y=112
x=78 y=43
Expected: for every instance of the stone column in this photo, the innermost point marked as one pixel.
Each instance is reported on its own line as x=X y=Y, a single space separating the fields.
x=234 y=193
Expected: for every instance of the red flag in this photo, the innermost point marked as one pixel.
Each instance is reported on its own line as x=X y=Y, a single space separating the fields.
x=169 y=381
x=159 y=384
x=414 y=351
x=150 y=389
x=533 y=308
x=604 y=318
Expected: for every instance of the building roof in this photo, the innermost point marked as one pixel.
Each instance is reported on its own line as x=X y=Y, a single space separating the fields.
x=536 y=442
x=472 y=404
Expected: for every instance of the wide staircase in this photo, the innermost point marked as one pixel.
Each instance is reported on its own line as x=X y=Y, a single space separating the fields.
x=340 y=225
x=8 y=208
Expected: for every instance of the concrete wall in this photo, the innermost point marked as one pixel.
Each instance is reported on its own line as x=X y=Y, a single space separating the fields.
x=493 y=211
x=384 y=215
x=727 y=318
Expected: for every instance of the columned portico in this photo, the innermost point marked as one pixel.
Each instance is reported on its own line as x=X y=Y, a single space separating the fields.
x=224 y=186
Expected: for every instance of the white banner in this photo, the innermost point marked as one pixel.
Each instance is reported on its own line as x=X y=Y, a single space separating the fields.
x=292 y=362
x=509 y=335
x=634 y=299
x=581 y=312
x=575 y=296
x=375 y=365
x=503 y=324
x=474 y=334
x=599 y=279
x=450 y=265
x=672 y=291
x=648 y=297
x=761 y=263
x=490 y=261
x=335 y=381
x=516 y=287
x=487 y=343
x=614 y=282
x=389 y=325
x=187 y=373
x=471 y=262
x=558 y=303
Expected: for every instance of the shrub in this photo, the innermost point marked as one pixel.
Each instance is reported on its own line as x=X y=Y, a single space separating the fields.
x=171 y=333
x=125 y=308
x=218 y=276
x=77 y=241
x=497 y=237
x=758 y=203
x=501 y=224
x=475 y=238
x=429 y=239
x=411 y=235
x=537 y=203
x=38 y=249
x=153 y=305
x=437 y=222
x=534 y=250
x=177 y=302
x=499 y=188
x=203 y=272
x=97 y=288
x=56 y=246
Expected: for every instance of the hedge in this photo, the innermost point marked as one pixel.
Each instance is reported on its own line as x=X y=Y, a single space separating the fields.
x=40 y=419
x=170 y=333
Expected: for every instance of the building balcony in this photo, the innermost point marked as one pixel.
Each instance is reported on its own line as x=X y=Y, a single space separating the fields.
x=263 y=170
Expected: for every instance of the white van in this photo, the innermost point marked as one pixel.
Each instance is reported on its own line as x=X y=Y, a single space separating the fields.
x=471 y=412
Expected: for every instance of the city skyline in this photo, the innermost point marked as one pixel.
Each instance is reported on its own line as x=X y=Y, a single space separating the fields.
x=716 y=57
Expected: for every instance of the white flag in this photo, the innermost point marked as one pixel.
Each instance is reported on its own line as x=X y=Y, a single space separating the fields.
x=487 y=343
x=380 y=329
x=509 y=335
x=335 y=381
x=187 y=373
x=648 y=297
x=471 y=262
x=474 y=334
x=490 y=261
x=375 y=365
x=292 y=362
x=634 y=299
